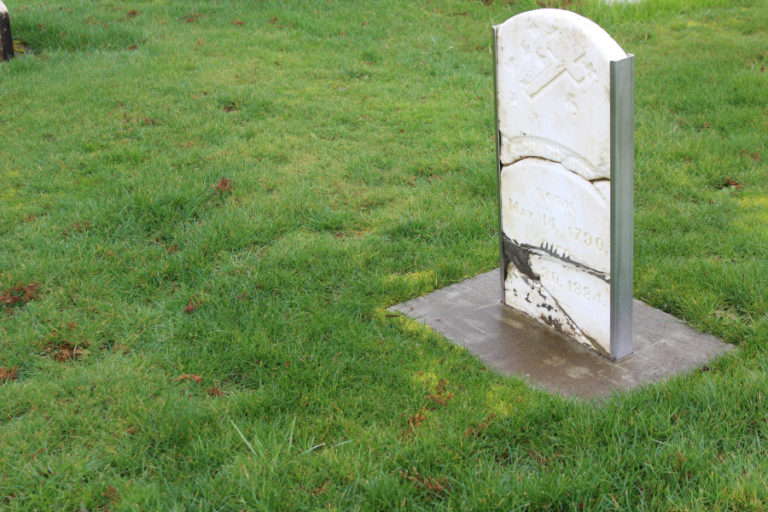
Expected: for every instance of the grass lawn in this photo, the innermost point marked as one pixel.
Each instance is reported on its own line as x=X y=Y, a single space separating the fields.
x=206 y=207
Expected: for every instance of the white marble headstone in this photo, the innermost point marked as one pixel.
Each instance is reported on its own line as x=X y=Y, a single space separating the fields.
x=553 y=109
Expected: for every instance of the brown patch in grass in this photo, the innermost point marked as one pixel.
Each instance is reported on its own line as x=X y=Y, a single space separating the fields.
x=63 y=351
x=441 y=395
x=238 y=22
x=19 y=295
x=414 y=422
x=231 y=107
x=131 y=14
x=729 y=182
x=214 y=391
x=111 y=494
x=191 y=306
x=169 y=248
x=320 y=490
x=122 y=349
x=78 y=227
x=188 y=376
x=438 y=486
x=190 y=18
x=224 y=185
x=479 y=429
x=8 y=374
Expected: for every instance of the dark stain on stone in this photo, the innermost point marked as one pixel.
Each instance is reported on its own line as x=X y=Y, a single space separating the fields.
x=549 y=251
x=552 y=322
x=519 y=256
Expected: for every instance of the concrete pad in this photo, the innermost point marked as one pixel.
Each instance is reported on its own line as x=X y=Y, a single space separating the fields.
x=470 y=313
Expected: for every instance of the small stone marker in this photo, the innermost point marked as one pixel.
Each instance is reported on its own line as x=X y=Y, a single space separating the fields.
x=564 y=108
x=6 y=40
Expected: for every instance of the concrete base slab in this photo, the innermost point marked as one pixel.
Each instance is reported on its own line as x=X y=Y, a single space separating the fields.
x=470 y=313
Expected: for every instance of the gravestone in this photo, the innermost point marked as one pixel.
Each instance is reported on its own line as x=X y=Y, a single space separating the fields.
x=6 y=40
x=564 y=108
x=564 y=113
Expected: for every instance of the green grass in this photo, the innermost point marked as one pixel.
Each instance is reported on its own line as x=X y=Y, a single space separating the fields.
x=358 y=138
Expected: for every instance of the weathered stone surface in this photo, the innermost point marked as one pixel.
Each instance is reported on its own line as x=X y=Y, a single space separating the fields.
x=553 y=85
x=553 y=90
x=544 y=205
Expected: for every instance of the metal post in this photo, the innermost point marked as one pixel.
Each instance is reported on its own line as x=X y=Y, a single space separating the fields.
x=622 y=221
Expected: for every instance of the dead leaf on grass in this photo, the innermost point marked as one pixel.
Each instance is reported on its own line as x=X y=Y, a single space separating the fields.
x=123 y=349
x=81 y=227
x=223 y=186
x=63 y=351
x=477 y=430
x=441 y=395
x=214 y=391
x=232 y=106
x=111 y=494
x=19 y=295
x=238 y=22
x=320 y=490
x=191 y=306
x=190 y=18
x=414 y=422
x=437 y=485
x=729 y=183
x=440 y=399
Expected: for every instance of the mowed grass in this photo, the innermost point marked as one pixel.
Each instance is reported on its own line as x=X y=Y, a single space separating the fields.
x=206 y=207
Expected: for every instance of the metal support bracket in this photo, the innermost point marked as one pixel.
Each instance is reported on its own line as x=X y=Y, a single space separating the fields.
x=622 y=208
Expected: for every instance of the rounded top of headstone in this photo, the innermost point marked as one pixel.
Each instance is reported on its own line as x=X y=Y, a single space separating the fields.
x=553 y=80
x=583 y=30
